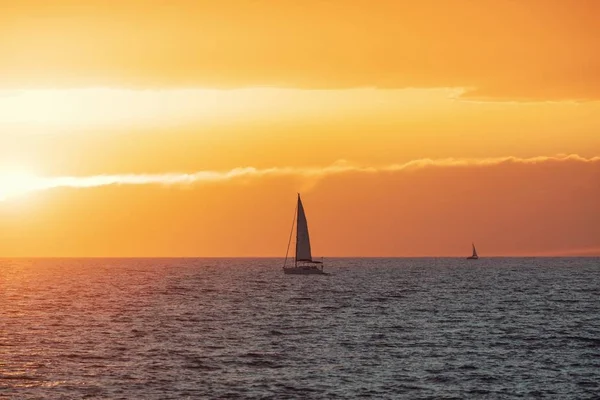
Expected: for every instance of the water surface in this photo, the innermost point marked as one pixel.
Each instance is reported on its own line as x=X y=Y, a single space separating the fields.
x=240 y=328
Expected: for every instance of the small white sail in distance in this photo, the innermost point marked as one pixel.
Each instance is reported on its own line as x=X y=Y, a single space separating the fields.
x=474 y=256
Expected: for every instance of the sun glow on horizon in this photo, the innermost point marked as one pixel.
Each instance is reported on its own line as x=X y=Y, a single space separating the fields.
x=17 y=182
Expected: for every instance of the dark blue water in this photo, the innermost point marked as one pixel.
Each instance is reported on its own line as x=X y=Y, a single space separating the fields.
x=240 y=328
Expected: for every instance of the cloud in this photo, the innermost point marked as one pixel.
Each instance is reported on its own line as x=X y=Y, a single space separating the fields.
x=11 y=186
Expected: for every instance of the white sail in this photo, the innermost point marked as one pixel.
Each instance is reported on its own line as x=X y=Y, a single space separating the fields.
x=474 y=251
x=302 y=239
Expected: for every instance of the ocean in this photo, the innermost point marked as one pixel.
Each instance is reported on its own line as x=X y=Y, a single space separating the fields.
x=414 y=328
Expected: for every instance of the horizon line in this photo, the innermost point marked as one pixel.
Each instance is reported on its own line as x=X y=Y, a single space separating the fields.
x=283 y=257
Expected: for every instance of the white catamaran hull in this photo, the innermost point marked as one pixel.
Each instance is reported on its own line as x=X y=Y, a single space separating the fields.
x=304 y=271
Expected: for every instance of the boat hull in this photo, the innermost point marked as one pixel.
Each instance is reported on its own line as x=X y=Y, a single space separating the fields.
x=304 y=271
x=472 y=258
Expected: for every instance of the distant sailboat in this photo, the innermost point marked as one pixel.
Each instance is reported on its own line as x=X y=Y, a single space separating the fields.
x=303 y=262
x=474 y=256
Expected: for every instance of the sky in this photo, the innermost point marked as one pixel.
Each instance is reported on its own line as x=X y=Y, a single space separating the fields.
x=186 y=128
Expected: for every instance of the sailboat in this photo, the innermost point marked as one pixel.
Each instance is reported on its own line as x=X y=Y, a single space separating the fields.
x=303 y=261
x=474 y=256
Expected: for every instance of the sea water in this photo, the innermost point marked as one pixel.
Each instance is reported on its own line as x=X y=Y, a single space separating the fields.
x=421 y=328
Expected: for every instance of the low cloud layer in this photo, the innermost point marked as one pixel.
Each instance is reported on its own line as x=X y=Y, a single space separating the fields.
x=13 y=186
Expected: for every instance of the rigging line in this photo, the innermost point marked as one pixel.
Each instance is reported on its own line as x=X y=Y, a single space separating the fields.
x=290 y=239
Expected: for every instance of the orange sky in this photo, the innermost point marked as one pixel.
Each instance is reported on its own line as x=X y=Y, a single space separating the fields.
x=131 y=88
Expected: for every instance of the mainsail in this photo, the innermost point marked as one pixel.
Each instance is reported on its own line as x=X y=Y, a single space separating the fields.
x=302 y=239
x=474 y=251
